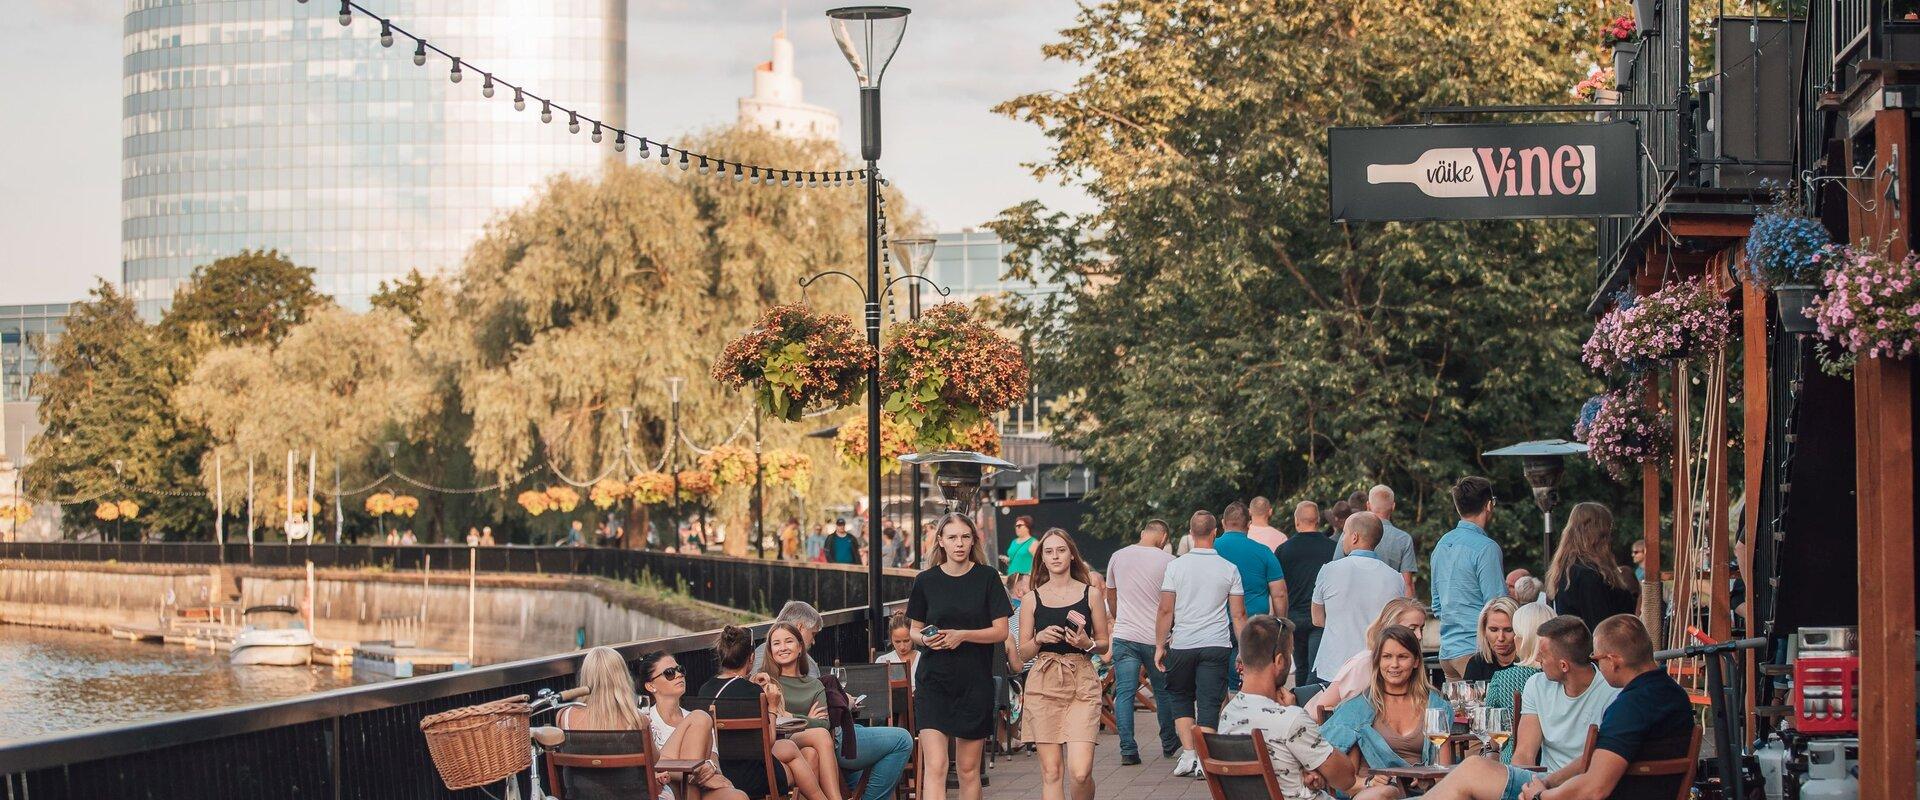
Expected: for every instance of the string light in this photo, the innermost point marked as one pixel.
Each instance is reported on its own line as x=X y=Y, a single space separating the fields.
x=596 y=133
x=755 y=177
x=683 y=161
x=546 y=111
x=346 y=13
x=573 y=122
x=420 y=53
x=619 y=141
x=703 y=165
x=455 y=74
x=386 y=32
x=486 y=87
x=643 y=148
x=519 y=100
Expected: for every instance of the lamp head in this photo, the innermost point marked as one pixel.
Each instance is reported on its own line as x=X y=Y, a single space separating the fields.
x=868 y=37
x=913 y=252
x=673 y=388
x=392 y=448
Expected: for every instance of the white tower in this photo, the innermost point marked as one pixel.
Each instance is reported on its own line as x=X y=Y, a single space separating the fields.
x=776 y=104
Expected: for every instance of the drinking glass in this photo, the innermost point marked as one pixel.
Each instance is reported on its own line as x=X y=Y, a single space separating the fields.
x=1439 y=727
x=1500 y=727
x=1478 y=693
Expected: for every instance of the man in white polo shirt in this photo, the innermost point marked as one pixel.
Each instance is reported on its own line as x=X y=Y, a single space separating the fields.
x=1349 y=594
x=1201 y=606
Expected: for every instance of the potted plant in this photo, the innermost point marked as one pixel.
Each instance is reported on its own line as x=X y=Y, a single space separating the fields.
x=944 y=373
x=1597 y=88
x=730 y=465
x=651 y=488
x=1788 y=251
x=1871 y=307
x=608 y=491
x=788 y=468
x=851 y=443
x=1621 y=433
x=1680 y=320
x=796 y=359
x=1646 y=13
x=1624 y=38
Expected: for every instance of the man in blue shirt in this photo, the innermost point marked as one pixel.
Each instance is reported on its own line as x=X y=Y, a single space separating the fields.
x=1259 y=570
x=1466 y=574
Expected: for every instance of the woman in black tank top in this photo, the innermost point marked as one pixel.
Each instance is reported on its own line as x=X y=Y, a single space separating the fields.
x=1061 y=627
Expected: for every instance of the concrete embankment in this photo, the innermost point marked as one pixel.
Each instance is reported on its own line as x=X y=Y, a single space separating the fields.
x=515 y=616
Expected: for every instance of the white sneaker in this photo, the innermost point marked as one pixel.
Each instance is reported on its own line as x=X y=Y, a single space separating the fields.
x=1188 y=766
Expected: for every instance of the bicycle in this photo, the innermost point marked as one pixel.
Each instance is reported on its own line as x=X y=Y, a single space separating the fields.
x=476 y=746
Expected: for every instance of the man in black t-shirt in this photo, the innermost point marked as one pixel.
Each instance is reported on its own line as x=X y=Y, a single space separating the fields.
x=1301 y=558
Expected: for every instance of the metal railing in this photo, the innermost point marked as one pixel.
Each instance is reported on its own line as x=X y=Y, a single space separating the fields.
x=748 y=584
x=1658 y=85
x=358 y=742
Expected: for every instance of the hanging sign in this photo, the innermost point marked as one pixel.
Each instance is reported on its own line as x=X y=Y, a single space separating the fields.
x=1434 y=172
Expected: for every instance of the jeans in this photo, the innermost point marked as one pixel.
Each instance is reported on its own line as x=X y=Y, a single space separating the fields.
x=1197 y=683
x=1306 y=648
x=1128 y=659
x=883 y=750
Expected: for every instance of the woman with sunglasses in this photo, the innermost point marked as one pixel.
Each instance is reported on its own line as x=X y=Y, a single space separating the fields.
x=676 y=734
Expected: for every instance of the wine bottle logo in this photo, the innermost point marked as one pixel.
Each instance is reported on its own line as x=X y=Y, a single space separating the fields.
x=1494 y=172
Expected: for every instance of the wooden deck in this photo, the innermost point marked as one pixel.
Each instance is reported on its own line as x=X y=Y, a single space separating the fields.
x=1019 y=776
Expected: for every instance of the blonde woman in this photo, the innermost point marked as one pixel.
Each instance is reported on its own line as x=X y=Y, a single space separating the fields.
x=1061 y=627
x=1497 y=648
x=676 y=733
x=1357 y=672
x=959 y=611
x=1386 y=726
x=1585 y=579
x=1506 y=683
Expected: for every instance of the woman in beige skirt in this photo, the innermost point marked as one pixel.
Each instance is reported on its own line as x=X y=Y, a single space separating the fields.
x=1062 y=625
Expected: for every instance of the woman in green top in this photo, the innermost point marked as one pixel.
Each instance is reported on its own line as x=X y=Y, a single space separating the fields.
x=803 y=696
x=1020 y=552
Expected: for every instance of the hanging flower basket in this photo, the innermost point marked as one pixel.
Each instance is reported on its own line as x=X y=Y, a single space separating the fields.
x=895 y=441
x=1621 y=433
x=697 y=485
x=944 y=373
x=608 y=491
x=563 y=499
x=1872 y=304
x=983 y=438
x=1678 y=321
x=1795 y=301
x=535 y=501
x=18 y=512
x=730 y=464
x=107 y=511
x=788 y=468
x=796 y=359
x=1787 y=247
x=1624 y=54
x=379 y=503
x=651 y=488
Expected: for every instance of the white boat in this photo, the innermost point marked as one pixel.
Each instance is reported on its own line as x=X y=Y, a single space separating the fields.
x=273 y=636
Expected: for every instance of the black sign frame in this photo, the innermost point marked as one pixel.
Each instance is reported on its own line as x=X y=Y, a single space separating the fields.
x=1608 y=152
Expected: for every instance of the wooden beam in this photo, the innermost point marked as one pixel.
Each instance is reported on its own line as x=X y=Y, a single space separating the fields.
x=1650 y=592
x=1710 y=226
x=1754 y=402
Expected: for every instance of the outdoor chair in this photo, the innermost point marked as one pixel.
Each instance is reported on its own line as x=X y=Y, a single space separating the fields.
x=900 y=693
x=871 y=681
x=607 y=764
x=742 y=734
x=1653 y=778
x=1237 y=766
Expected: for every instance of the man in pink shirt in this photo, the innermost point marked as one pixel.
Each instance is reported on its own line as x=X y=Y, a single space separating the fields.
x=1133 y=598
x=1262 y=530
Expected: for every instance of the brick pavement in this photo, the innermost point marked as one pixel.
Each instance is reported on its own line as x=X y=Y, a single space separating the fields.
x=1018 y=777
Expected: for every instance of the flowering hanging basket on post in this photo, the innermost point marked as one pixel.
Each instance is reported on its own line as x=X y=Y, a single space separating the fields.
x=1788 y=252
x=895 y=441
x=1624 y=38
x=535 y=501
x=697 y=485
x=608 y=491
x=1678 y=321
x=788 y=468
x=796 y=359
x=730 y=464
x=1872 y=304
x=651 y=488
x=944 y=373
x=1621 y=433
x=563 y=498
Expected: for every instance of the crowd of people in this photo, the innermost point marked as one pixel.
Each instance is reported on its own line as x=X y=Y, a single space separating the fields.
x=1314 y=638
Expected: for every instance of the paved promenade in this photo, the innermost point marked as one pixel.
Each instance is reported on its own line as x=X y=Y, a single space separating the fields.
x=1018 y=778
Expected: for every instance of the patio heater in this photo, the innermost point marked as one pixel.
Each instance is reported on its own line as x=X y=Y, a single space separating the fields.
x=1543 y=461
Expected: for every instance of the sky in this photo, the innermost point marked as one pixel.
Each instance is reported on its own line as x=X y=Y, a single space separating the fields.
x=688 y=63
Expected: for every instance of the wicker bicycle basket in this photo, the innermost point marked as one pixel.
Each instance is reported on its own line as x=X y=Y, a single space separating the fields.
x=478 y=745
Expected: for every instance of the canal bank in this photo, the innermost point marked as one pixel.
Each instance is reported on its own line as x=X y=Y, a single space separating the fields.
x=514 y=616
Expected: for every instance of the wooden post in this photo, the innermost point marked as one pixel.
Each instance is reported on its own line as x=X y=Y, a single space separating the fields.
x=1683 y=566
x=1754 y=401
x=1650 y=591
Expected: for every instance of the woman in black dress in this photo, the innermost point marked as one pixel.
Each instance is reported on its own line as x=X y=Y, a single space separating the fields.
x=1584 y=579
x=959 y=612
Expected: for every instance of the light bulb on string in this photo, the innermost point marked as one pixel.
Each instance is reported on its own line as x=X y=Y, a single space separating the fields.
x=596 y=133
x=643 y=148
x=666 y=155
x=454 y=75
x=738 y=175
x=346 y=13
x=519 y=100
x=573 y=122
x=420 y=52
x=703 y=165
x=546 y=111
x=684 y=164
x=386 y=32
x=486 y=86
x=619 y=141
x=755 y=177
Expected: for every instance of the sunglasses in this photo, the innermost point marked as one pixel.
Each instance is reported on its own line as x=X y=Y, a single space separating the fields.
x=670 y=673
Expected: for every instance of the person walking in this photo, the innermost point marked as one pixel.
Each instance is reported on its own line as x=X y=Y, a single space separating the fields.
x=1466 y=574
x=1584 y=579
x=1020 y=550
x=1062 y=627
x=1134 y=575
x=1302 y=557
x=1260 y=573
x=1350 y=594
x=959 y=611
x=1261 y=528
x=842 y=547
x=1201 y=605
x=1396 y=546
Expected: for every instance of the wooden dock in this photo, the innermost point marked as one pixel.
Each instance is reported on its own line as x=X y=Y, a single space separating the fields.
x=403 y=660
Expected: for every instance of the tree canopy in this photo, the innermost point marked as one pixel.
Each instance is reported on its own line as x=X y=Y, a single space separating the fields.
x=1220 y=337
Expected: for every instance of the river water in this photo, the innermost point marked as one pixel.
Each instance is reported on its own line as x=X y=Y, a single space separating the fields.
x=54 y=680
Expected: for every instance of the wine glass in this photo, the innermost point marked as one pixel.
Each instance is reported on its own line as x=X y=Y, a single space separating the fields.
x=1499 y=725
x=1479 y=689
x=1439 y=727
x=1455 y=692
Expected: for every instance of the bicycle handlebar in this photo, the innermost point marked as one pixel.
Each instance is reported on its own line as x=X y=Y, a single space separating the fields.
x=1711 y=648
x=581 y=691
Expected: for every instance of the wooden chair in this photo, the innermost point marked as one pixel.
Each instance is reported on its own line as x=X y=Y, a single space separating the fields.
x=1641 y=776
x=743 y=731
x=1237 y=766
x=872 y=681
x=900 y=691
x=595 y=764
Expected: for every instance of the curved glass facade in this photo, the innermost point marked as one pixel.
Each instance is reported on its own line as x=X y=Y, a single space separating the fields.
x=264 y=124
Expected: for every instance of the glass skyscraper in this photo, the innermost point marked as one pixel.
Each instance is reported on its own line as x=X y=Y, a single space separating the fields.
x=264 y=124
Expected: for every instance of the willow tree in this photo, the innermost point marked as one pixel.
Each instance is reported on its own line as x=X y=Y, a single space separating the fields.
x=1221 y=337
x=586 y=300
x=338 y=386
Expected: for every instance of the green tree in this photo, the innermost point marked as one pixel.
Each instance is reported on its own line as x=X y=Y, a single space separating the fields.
x=1220 y=337
x=107 y=404
x=255 y=296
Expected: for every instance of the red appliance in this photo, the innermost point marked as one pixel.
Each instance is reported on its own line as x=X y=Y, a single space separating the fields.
x=1826 y=693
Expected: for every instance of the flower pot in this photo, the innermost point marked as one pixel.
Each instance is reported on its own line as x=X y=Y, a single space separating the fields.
x=1793 y=300
x=1624 y=55
x=1646 y=15
x=1605 y=97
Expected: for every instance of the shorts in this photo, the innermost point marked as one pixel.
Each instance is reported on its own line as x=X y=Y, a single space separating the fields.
x=1517 y=780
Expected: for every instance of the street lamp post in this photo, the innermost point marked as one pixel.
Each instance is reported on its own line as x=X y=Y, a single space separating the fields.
x=673 y=455
x=914 y=254
x=868 y=37
x=759 y=501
